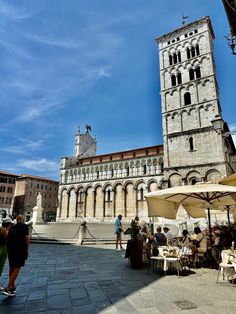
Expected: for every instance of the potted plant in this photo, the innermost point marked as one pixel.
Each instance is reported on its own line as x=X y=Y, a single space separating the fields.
x=134 y=246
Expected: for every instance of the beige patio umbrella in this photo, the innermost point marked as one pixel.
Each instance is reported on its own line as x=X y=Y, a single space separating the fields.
x=195 y=199
x=230 y=180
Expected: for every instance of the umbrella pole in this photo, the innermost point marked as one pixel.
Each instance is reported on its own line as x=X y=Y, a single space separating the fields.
x=228 y=215
x=209 y=224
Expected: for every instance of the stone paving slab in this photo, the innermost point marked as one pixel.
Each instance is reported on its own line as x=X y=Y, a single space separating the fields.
x=68 y=279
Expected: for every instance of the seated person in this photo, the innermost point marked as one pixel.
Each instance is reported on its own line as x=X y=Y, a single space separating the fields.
x=144 y=233
x=200 y=241
x=135 y=222
x=159 y=240
x=225 y=238
x=145 y=236
x=168 y=236
x=216 y=237
x=185 y=241
x=159 y=237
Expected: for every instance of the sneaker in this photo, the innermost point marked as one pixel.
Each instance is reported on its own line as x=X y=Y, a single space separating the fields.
x=8 y=293
x=1 y=288
x=13 y=290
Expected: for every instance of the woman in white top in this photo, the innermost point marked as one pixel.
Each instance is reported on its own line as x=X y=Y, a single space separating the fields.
x=185 y=241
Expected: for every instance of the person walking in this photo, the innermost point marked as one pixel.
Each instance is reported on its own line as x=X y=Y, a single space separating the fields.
x=118 y=231
x=18 y=252
x=6 y=223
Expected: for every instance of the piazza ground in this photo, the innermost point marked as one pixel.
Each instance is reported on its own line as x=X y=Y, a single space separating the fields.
x=60 y=278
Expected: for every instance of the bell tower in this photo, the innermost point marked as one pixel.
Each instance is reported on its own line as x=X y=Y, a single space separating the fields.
x=193 y=150
x=85 y=144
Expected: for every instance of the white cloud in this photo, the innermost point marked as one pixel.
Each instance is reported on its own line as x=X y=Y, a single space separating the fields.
x=13 y=149
x=14 y=12
x=41 y=107
x=104 y=72
x=29 y=114
x=51 y=41
x=24 y=147
x=42 y=167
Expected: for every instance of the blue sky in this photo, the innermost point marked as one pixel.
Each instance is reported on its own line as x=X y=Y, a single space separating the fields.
x=67 y=63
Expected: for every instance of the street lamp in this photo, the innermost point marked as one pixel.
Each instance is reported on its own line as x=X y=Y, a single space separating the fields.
x=230 y=10
x=231 y=42
x=218 y=126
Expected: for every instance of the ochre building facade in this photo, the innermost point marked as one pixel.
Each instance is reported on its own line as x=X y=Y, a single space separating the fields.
x=28 y=188
x=7 y=189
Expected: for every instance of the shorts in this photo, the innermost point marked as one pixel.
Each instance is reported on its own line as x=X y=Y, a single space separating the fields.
x=118 y=236
x=16 y=260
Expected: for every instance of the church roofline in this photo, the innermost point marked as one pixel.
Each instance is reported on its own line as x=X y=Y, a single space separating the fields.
x=122 y=155
x=203 y=19
x=127 y=151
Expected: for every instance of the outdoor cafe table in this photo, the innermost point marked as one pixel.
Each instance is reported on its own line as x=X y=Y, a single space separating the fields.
x=170 y=255
x=229 y=256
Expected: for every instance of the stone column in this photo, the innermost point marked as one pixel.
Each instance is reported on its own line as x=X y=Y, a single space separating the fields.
x=94 y=202
x=136 y=201
x=125 y=202
x=68 y=205
x=76 y=204
x=114 y=202
x=85 y=203
x=104 y=203
x=59 y=207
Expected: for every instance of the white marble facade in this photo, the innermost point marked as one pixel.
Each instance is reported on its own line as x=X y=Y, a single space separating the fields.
x=102 y=190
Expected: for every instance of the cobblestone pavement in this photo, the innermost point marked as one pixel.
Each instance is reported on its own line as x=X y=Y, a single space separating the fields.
x=97 y=279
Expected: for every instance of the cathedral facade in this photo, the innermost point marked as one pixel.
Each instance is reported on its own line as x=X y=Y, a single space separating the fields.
x=99 y=187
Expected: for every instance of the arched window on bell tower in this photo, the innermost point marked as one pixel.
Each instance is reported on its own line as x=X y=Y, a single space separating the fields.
x=187 y=98
x=198 y=72
x=188 y=53
x=179 y=56
x=191 y=148
x=193 y=52
x=197 y=50
x=170 y=59
x=173 y=80
x=175 y=58
x=179 y=78
x=191 y=74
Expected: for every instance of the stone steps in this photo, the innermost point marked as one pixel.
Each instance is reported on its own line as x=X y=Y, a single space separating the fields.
x=86 y=241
